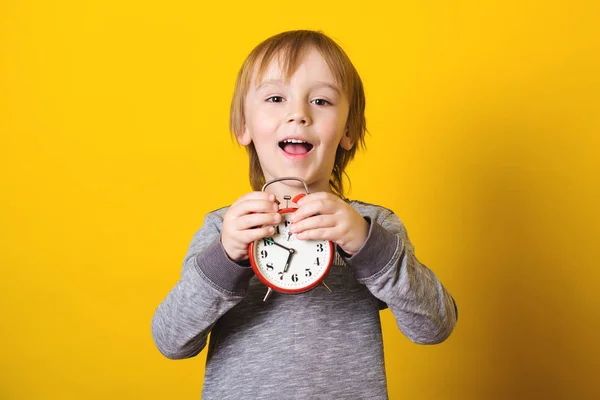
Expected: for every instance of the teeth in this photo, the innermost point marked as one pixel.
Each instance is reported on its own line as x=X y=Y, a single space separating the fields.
x=294 y=141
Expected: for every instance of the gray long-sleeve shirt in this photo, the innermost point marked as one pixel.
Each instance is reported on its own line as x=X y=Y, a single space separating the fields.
x=315 y=345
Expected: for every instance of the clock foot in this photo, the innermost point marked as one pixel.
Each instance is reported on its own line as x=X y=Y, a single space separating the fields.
x=269 y=291
x=326 y=287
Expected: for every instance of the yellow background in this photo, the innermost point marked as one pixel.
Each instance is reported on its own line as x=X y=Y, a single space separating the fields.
x=484 y=119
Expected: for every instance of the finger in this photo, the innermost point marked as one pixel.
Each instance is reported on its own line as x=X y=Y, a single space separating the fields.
x=316 y=196
x=251 y=221
x=250 y=235
x=314 y=207
x=318 y=234
x=250 y=206
x=314 y=222
x=241 y=238
x=255 y=196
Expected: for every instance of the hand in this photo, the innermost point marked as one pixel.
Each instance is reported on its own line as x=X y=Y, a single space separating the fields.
x=244 y=220
x=324 y=216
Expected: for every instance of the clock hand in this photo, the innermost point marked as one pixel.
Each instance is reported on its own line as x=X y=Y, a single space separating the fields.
x=287 y=262
x=269 y=240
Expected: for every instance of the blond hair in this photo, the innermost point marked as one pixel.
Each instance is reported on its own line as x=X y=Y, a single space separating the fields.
x=290 y=47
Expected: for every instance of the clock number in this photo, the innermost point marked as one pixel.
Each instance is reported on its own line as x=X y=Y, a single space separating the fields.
x=263 y=253
x=295 y=278
x=308 y=273
x=317 y=262
x=268 y=241
x=320 y=247
x=269 y=266
x=276 y=229
x=287 y=223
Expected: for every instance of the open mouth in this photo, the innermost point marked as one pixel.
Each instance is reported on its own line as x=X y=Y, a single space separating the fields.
x=295 y=146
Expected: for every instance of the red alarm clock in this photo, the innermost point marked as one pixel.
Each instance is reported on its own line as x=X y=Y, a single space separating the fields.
x=285 y=263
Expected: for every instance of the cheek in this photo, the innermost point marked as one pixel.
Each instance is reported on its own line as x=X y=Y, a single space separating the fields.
x=333 y=127
x=264 y=123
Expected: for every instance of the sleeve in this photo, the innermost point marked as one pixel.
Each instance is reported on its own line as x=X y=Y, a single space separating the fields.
x=424 y=310
x=210 y=285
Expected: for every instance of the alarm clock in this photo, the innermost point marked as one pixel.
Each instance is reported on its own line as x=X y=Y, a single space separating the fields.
x=283 y=262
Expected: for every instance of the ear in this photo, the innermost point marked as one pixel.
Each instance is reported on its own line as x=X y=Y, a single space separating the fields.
x=244 y=138
x=346 y=142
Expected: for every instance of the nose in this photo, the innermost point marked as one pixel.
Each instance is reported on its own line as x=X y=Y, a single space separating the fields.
x=298 y=114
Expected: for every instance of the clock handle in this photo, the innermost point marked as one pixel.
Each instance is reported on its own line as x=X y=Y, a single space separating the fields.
x=288 y=178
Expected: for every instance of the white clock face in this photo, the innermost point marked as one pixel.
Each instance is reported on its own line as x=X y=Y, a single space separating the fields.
x=288 y=263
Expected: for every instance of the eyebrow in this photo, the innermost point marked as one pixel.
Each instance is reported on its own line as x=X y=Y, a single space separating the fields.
x=279 y=82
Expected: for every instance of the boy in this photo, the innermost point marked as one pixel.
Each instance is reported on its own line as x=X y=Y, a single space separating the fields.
x=298 y=107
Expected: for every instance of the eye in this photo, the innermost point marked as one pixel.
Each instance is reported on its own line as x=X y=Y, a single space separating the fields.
x=275 y=99
x=321 y=102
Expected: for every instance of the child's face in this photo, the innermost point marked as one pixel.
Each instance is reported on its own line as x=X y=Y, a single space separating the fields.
x=297 y=125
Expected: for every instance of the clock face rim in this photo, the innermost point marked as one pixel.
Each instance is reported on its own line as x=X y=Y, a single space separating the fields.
x=280 y=289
